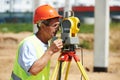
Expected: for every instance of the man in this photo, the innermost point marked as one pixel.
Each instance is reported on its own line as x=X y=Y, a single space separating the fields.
x=33 y=56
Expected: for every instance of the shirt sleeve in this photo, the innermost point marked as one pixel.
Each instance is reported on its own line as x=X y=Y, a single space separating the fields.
x=27 y=55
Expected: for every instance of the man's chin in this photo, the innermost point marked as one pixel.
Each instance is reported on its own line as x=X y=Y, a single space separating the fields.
x=54 y=35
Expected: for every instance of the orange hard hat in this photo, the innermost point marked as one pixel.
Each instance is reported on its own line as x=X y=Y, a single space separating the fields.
x=45 y=12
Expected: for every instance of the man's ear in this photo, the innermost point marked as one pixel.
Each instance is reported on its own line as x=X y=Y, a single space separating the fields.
x=38 y=25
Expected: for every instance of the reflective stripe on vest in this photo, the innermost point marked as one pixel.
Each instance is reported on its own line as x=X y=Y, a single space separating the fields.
x=15 y=77
x=18 y=71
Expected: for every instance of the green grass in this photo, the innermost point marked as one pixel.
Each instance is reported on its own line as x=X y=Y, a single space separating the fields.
x=89 y=28
x=20 y=27
x=15 y=27
x=86 y=28
x=115 y=26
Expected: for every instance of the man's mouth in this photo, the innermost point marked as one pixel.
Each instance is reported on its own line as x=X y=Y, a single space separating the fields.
x=55 y=33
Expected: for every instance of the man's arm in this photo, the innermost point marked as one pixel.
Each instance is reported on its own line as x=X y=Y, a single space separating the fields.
x=39 y=64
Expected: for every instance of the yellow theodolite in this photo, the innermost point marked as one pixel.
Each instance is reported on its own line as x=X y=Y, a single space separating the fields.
x=70 y=27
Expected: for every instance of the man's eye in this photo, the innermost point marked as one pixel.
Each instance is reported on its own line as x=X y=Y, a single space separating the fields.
x=55 y=25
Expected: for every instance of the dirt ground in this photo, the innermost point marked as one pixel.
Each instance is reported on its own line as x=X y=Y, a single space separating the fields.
x=8 y=48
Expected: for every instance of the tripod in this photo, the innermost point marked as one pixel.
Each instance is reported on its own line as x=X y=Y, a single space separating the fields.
x=66 y=56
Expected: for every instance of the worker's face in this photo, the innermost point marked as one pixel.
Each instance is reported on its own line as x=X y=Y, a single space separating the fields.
x=53 y=27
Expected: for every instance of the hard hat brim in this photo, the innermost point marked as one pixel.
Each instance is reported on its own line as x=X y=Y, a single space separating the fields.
x=59 y=16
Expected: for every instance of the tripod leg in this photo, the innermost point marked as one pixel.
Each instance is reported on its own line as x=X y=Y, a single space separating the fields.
x=55 y=70
x=59 y=72
x=81 y=68
x=68 y=67
x=63 y=67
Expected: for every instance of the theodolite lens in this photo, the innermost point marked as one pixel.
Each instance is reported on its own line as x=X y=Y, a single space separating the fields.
x=78 y=25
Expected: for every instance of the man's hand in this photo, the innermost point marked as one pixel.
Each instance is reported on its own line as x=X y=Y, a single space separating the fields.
x=56 y=46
